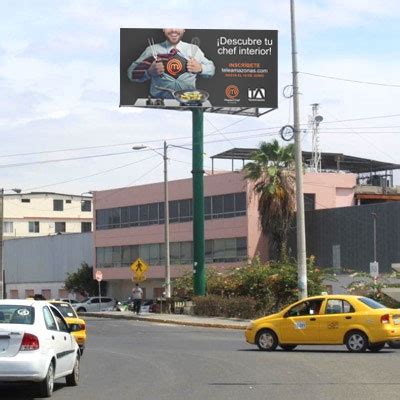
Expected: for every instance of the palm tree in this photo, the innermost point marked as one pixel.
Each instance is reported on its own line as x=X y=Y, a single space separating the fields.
x=272 y=172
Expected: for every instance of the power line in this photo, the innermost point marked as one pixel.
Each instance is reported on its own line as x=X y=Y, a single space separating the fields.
x=213 y=133
x=368 y=141
x=91 y=175
x=222 y=134
x=351 y=80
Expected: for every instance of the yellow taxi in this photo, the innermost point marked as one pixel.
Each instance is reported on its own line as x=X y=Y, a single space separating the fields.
x=77 y=325
x=358 y=322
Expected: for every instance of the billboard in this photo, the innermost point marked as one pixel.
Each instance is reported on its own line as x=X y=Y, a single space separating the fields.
x=175 y=67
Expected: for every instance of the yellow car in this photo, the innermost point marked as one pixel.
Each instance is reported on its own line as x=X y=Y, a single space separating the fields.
x=77 y=325
x=358 y=322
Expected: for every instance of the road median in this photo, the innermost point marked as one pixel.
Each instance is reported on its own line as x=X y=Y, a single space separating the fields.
x=177 y=319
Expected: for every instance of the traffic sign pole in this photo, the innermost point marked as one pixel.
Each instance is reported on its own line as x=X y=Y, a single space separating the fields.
x=99 y=295
x=99 y=278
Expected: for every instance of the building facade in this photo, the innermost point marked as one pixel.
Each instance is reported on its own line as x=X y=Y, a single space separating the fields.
x=129 y=223
x=45 y=213
x=40 y=265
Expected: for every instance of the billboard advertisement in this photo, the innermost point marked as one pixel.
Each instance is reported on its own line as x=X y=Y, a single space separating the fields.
x=173 y=67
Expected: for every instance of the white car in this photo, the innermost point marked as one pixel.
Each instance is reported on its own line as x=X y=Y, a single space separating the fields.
x=36 y=345
x=94 y=304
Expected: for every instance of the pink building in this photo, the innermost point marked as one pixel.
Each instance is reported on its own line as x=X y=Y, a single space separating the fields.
x=129 y=223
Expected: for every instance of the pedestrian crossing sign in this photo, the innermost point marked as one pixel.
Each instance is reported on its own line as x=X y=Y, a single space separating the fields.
x=139 y=267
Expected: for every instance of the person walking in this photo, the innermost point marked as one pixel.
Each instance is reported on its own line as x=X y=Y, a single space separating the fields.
x=137 y=296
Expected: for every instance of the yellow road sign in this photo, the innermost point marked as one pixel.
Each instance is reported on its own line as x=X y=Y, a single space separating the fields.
x=140 y=278
x=139 y=266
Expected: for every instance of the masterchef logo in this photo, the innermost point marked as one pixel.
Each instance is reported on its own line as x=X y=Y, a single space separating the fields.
x=232 y=93
x=174 y=66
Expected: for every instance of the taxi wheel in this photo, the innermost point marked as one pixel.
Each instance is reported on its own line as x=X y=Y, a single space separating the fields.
x=376 y=347
x=73 y=378
x=356 y=341
x=47 y=385
x=394 y=344
x=266 y=340
x=288 y=347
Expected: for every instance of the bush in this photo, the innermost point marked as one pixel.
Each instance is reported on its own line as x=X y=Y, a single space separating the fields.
x=364 y=285
x=267 y=287
x=219 y=306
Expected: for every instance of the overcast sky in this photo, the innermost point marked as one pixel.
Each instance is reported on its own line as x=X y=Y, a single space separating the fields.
x=59 y=87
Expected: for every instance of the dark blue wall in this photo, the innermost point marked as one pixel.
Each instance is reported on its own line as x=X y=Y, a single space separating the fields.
x=352 y=229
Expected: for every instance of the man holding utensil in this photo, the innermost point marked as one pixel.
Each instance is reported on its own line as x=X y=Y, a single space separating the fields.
x=172 y=65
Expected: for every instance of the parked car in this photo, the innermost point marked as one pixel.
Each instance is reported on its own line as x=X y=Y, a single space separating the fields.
x=147 y=306
x=72 y=301
x=358 y=322
x=33 y=336
x=94 y=304
x=76 y=324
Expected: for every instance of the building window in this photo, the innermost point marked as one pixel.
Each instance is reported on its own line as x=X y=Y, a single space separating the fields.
x=240 y=204
x=219 y=250
x=218 y=207
x=14 y=294
x=309 y=201
x=229 y=205
x=174 y=211
x=68 y=201
x=29 y=293
x=34 y=226
x=153 y=214
x=58 y=205
x=144 y=215
x=185 y=210
x=215 y=207
x=86 y=205
x=59 y=227
x=8 y=227
x=25 y=200
x=207 y=208
x=86 y=226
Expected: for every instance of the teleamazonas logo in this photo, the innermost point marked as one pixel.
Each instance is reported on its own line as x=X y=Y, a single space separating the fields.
x=257 y=94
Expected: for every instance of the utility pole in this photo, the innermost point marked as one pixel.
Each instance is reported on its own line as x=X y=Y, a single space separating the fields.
x=166 y=226
x=301 y=234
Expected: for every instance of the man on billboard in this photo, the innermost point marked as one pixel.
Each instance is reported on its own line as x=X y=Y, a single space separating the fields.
x=171 y=65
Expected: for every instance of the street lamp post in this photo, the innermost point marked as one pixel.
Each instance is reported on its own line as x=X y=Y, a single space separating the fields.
x=166 y=212
x=2 y=270
x=374 y=219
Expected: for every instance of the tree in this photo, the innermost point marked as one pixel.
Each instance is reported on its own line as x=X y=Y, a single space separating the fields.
x=82 y=281
x=272 y=172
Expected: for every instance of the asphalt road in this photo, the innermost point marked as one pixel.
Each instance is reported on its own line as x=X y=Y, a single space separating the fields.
x=146 y=361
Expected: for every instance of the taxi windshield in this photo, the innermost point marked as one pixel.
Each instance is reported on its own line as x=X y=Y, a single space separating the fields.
x=66 y=310
x=371 y=303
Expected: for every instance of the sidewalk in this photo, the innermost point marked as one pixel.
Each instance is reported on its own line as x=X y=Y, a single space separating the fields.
x=178 y=319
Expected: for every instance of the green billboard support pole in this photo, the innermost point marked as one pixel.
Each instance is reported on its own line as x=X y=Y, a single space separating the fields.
x=199 y=274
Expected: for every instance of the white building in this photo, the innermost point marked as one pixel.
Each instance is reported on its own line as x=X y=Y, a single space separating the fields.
x=46 y=213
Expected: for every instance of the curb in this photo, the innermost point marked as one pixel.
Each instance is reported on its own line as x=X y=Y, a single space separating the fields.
x=165 y=321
